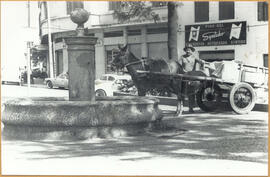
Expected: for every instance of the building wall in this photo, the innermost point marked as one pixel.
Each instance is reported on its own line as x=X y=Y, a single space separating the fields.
x=101 y=20
x=60 y=20
x=155 y=45
x=256 y=37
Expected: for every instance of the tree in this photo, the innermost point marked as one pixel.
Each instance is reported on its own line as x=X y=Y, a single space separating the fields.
x=172 y=29
x=129 y=10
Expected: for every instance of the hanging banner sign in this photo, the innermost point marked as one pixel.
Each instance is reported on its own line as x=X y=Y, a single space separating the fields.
x=233 y=33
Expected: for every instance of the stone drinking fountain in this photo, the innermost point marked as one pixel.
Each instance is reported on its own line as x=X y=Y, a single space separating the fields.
x=81 y=115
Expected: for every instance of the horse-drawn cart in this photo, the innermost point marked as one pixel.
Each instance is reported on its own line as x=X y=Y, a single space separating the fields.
x=234 y=83
x=217 y=82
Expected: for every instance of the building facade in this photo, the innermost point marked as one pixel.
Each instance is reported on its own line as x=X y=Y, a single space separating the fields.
x=218 y=30
x=226 y=30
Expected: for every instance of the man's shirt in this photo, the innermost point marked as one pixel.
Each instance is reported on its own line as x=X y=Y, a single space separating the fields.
x=188 y=62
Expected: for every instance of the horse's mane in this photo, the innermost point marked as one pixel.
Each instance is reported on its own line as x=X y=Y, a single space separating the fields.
x=134 y=58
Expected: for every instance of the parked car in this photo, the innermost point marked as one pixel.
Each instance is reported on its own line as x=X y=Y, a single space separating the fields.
x=60 y=81
x=106 y=78
x=108 y=83
x=10 y=76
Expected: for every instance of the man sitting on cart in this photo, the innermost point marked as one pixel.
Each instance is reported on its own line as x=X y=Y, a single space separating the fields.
x=188 y=62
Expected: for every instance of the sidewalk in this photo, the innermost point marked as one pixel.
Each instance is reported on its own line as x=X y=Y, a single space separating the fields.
x=35 y=85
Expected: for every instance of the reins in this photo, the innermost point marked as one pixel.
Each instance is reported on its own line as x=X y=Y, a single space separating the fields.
x=135 y=62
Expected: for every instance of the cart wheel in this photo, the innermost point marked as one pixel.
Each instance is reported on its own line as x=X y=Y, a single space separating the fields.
x=179 y=108
x=208 y=98
x=242 y=98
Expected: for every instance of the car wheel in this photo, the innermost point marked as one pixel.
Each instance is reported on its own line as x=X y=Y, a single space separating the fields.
x=49 y=84
x=100 y=92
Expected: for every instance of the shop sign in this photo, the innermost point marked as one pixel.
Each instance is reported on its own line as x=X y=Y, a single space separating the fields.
x=233 y=33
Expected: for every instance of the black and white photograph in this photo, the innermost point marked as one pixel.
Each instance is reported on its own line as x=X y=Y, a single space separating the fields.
x=134 y=88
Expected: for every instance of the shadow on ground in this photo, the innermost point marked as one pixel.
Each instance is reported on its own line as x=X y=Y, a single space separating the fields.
x=207 y=136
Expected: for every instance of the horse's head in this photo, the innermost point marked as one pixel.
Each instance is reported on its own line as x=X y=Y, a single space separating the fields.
x=121 y=58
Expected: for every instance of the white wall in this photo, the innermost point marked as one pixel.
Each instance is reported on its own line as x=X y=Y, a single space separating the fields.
x=60 y=20
x=257 y=33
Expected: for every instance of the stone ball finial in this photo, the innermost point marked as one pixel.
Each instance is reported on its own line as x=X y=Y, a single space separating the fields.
x=79 y=16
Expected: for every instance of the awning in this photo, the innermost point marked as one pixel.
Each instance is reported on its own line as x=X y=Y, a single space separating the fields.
x=40 y=47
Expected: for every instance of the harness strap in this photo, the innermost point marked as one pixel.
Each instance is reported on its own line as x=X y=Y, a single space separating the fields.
x=141 y=61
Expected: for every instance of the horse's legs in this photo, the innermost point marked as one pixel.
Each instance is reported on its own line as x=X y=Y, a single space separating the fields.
x=141 y=92
x=180 y=106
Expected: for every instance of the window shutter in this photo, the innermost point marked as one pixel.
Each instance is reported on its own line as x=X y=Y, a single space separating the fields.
x=77 y=4
x=226 y=10
x=68 y=7
x=201 y=11
x=262 y=11
x=114 y=5
x=72 y=5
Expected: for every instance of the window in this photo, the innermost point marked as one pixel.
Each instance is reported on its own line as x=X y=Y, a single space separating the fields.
x=72 y=5
x=157 y=30
x=110 y=56
x=262 y=11
x=114 y=5
x=216 y=55
x=132 y=32
x=226 y=10
x=265 y=60
x=201 y=11
x=113 y=34
x=159 y=3
x=110 y=78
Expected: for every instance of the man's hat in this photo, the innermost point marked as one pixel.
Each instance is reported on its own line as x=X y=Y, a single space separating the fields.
x=189 y=46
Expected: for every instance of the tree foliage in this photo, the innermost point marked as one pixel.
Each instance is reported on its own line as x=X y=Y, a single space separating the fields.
x=138 y=10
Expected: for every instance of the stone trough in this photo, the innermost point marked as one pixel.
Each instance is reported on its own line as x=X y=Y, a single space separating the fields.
x=55 y=118
x=105 y=111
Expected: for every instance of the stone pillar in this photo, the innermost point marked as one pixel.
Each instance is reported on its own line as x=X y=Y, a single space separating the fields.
x=144 y=46
x=125 y=36
x=65 y=59
x=100 y=54
x=48 y=64
x=81 y=67
x=55 y=70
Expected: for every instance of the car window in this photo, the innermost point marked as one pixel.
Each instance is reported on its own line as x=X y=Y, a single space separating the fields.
x=111 y=78
x=118 y=81
x=121 y=81
x=61 y=76
x=65 y=76
x=103 y=78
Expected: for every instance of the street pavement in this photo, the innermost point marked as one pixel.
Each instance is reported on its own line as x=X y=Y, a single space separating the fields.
x=220 y=143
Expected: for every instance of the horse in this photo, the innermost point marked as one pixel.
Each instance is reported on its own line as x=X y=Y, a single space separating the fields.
x=127 y=59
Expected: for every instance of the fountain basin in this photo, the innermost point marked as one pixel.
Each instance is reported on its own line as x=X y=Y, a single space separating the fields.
x=59 y=112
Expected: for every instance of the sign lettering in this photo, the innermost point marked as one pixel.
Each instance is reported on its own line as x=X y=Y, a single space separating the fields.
x=233 y=33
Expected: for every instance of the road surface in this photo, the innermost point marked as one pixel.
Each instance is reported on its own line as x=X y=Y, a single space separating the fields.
x=210 y=144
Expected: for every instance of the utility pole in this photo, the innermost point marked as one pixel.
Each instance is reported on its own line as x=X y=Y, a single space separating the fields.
x=28 y=8
x=29 y=44
x=28 y=52
x=50 y=40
